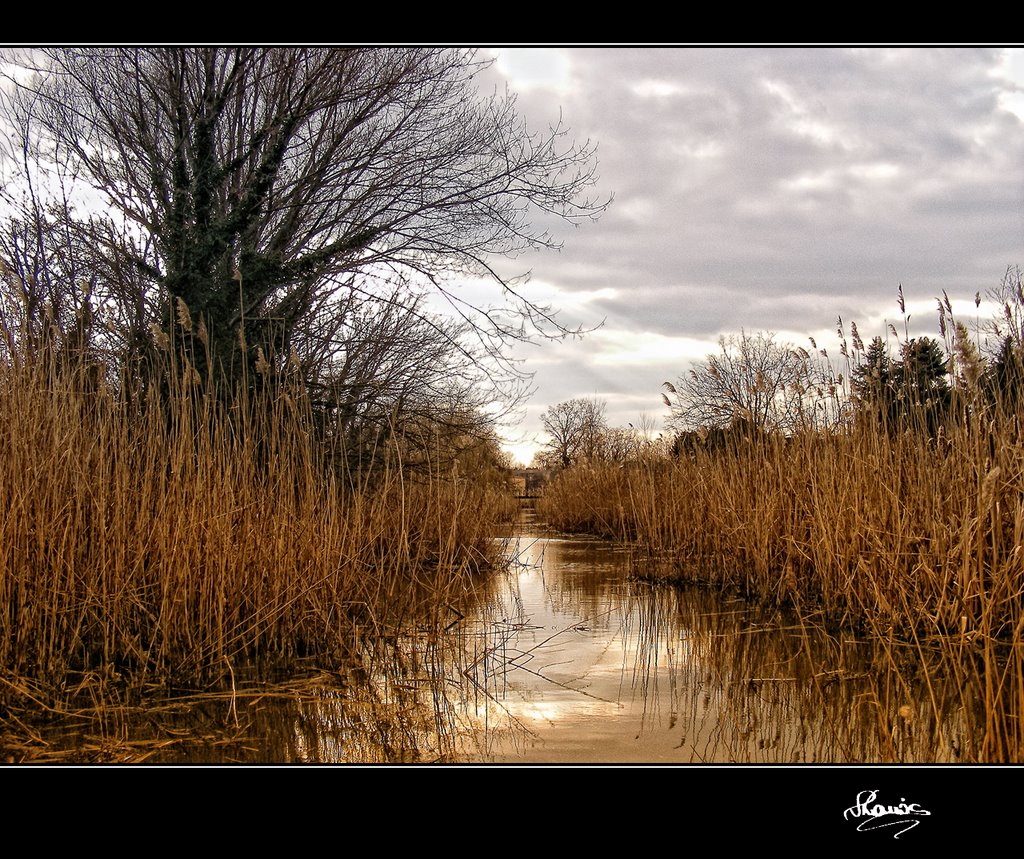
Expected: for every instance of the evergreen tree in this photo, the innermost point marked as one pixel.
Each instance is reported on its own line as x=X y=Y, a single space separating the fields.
x=912 y=392
x=872 y=382
x=922 y=385
x=1004 y=379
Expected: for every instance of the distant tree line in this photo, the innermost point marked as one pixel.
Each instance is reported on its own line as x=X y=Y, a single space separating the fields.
x=578 y=433
x=755 y=386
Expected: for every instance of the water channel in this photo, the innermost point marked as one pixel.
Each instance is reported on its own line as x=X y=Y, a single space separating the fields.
x=588 y=663
x=569 y=657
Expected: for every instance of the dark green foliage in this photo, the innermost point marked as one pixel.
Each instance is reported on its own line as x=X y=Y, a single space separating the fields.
x=922 y=384
x=913 y=392
x=872 y=380
x=1004 y=380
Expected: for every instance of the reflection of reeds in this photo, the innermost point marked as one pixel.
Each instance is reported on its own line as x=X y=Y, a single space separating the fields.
x=748 y=683
x=145 y=543
x=901 y=536
x=404 y=698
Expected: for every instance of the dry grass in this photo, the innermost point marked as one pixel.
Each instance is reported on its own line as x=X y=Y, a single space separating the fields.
x=147 y=545
x=901 y=536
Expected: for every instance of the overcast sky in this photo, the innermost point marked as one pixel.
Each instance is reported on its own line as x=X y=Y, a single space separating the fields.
x=766 y=189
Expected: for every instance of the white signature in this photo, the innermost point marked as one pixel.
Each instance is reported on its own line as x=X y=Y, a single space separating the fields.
x=906 y=814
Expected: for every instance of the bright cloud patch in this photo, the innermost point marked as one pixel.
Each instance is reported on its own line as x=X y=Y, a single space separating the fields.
x=836 y=177
x=1011 y=70
x=656 y=89
x=638 y=209
x=699 y=149
x=626 y=348
x=800 y=117
x=530 y=68
x=879 y=172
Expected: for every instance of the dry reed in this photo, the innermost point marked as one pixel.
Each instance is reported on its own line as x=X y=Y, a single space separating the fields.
x=902 y=536
x=145 y=542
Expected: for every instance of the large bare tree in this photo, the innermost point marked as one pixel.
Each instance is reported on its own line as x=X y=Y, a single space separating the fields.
x=269 y=188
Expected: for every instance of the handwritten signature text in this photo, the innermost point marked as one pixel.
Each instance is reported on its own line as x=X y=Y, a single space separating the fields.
x=906 y=815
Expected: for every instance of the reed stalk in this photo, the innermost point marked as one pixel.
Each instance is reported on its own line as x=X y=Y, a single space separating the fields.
x=162 y=538
x=891 y=532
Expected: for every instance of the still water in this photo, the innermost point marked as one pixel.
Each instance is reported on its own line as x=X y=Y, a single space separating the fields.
x=582 y=662
x=568 y=657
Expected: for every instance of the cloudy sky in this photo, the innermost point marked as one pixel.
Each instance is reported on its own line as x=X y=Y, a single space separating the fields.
x=765 y=189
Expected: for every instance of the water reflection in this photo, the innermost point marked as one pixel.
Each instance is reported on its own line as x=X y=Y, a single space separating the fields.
x=750 y=684
x=565 y=657
x=590 y=665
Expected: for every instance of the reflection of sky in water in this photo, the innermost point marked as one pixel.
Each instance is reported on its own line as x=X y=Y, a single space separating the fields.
x=566 y=673
x=565 y=660
x=582 y=665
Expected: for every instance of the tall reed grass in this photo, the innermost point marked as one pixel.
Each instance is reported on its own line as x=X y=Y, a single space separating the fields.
x=164 y=542
x=900 y=535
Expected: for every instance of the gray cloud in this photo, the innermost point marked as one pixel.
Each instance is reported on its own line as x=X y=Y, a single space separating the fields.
x=774 y=188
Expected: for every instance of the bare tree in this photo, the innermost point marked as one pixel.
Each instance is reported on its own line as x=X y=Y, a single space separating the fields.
x=751 y=379
x=1008 y=296
x=621 y=444
x=576 y=429
x=390 y=367
x=633 y=443
x=264 y=187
